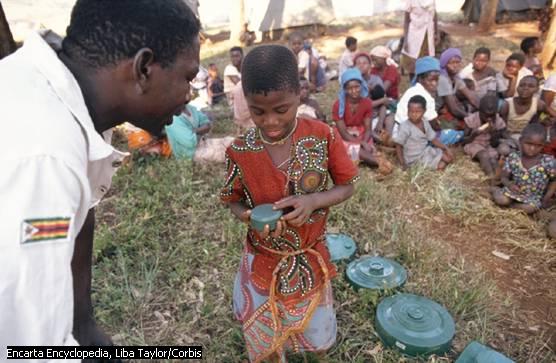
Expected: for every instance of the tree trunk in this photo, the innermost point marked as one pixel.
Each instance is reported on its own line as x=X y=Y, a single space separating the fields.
x=237 y=20
x=7 y=44
x=488 y=15
x=549 y=44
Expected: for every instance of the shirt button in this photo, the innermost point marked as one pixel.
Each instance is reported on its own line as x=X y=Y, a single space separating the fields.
x=116 y=164
x=103 y=189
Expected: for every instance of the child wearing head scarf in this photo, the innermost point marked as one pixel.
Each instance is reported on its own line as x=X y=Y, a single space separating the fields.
x=352 y=113
x=449 y=84
x=384 y=67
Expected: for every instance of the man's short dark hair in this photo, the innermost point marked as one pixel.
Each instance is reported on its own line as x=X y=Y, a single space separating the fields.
x=482 y=50
x=104 y=32
x=269 y=68
x=519 y=57
x=236 y=49
x=419 y=100
x=528 y=43
x=350 y=41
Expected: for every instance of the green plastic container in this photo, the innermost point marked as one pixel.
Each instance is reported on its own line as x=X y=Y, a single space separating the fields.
x=376 y=273
x=475 y=352
x=262 y=215
x=341 y=246
x=414 y=325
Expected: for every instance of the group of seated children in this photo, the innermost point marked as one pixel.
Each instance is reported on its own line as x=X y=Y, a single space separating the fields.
x=501 y=119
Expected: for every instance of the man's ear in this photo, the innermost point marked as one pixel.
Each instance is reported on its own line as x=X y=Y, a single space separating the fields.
x=142 y=69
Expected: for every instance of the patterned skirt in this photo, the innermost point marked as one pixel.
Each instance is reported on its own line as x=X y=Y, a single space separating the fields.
x=307 y=325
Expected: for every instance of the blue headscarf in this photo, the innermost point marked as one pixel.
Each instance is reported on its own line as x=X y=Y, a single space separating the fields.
x=351 y=74
x=424 y=65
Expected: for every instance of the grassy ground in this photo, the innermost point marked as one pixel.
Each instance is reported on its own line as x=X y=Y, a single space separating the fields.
x=167 y=252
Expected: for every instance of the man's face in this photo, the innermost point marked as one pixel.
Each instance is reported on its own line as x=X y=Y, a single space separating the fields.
x=296 y=44
x=167 y=93
x=480 y=62
x=236 y=58
x=527 y=87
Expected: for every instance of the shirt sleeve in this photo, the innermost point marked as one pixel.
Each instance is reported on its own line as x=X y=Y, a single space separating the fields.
x=502 y=83
x=499 y=124
x=445 y=87
x=230 y=70
x=342 y=170
x=43 y=207
x=401 y=110
x=201 y=117
x=335 y=111
x=402 y=135
x=508 y=163
x=232 y=191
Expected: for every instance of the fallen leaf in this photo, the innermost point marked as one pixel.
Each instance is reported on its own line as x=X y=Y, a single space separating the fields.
x=501 y=255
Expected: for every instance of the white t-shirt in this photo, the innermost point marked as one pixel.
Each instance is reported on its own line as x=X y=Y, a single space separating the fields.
x=230 y=71
x=401 y=111
x=53 y=172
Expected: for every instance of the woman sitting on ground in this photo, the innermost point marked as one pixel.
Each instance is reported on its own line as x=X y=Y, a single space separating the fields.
x=385 y=67
x=451 y=111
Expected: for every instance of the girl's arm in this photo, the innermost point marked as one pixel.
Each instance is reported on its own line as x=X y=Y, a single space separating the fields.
x=547 y=97
x=550 y=192
x=505 y=179
x=399 y=153
x=368 y=135
x=436 y=142
x=510 y=92
x=470 y=96
x=386 y=87
x=343 y=131
x=203 y=129
x=542 y=107
x=468 y=135
x=304 y=205
x=454 y=107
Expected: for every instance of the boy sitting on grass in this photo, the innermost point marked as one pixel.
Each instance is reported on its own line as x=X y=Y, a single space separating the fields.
x=414 y=138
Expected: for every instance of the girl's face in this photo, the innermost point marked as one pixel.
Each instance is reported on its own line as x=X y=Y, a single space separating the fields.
x=378 y=62
x=480 y=62
x=274 y=113
x=527 y=88
x=353 y=90
x=531 y=145
x=363 y=64
x=453 y=66
x=430 y=82
x=415 y=112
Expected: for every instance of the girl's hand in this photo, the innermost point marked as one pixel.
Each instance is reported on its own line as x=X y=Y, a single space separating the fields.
x=547 y=203
x=449 y=152
x=303 y=206
x=280 y=226
x=514 y=188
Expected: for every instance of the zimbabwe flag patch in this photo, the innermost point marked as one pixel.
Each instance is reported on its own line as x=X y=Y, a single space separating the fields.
x=45 y=229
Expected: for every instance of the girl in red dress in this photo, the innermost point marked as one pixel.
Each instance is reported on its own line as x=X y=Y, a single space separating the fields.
x=282 y=292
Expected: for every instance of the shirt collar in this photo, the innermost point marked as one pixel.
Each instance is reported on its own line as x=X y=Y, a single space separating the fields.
x=41 y=48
